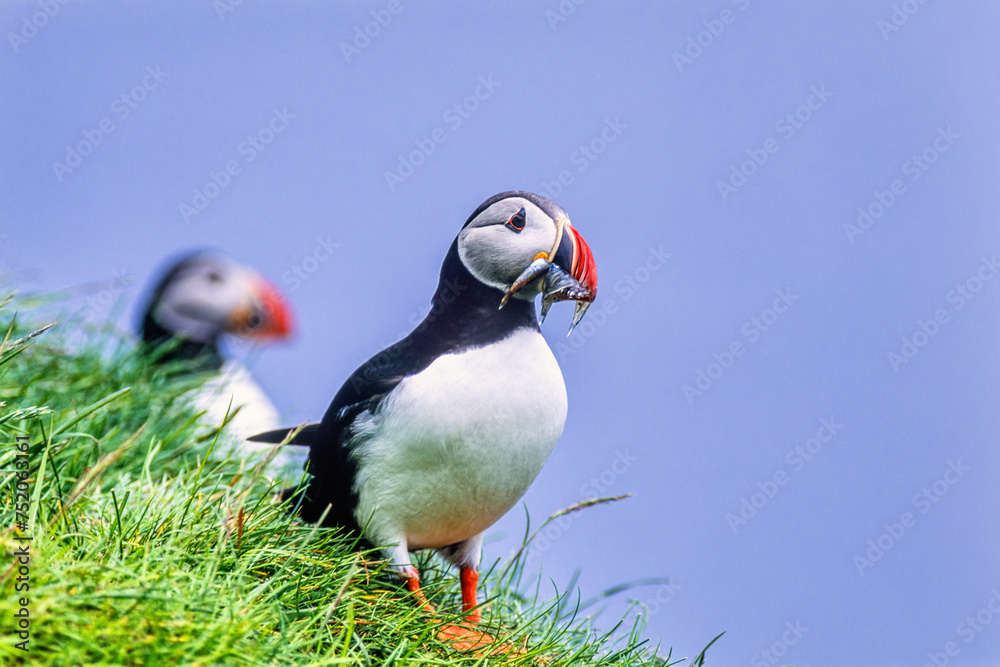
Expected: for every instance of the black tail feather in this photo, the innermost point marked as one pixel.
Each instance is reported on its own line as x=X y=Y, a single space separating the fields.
x=305 y=437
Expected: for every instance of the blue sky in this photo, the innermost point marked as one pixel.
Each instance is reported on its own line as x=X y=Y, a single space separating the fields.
x=792 y=363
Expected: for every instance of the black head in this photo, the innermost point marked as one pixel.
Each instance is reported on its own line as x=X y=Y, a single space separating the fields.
x=523 y=244
x=204 y=295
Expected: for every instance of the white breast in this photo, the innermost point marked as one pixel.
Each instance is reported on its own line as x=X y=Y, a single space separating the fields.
x=457 y=445
x=234 y=383
x=234 y=388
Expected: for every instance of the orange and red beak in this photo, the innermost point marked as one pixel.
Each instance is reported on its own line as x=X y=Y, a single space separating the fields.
x=569 y=271
x=575 y=257
x=572 y=276
x=265 y=315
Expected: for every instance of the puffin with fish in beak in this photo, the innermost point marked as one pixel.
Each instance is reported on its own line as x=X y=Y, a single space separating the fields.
x=435 y=438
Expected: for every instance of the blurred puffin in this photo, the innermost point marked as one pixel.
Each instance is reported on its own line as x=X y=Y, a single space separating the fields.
x=435 y=438
x=202 y=297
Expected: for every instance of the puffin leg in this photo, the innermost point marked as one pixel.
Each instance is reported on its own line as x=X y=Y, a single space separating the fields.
x=459 y=637
x=464 y=637
x=465 y=555
x=412 y=581
x=399 y=557
x=469 y=578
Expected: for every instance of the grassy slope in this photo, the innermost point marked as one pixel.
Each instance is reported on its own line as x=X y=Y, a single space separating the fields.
x=146 y=553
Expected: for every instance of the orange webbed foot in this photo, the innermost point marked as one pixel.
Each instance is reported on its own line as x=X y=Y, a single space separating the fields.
x=465 y=637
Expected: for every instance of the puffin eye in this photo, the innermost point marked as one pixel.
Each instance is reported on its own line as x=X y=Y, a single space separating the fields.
x=214 y=277
x=255 y=319
x=517 y=221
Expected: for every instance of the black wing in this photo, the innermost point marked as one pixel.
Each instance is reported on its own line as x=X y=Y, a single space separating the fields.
x=463 y=315
x=330 y=463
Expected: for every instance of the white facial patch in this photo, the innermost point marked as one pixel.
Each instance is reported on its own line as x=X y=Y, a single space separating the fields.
x=197 y=303
x=496 y=254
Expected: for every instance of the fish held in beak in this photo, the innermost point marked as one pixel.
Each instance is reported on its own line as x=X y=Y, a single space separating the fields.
x=535 y=270
x=570 y=274
x=573 y=276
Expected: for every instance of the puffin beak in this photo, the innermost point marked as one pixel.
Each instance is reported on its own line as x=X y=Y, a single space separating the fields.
x=264 y=315
x=572 y=276
x=569 y=270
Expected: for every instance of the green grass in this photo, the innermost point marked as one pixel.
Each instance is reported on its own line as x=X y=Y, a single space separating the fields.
x=147 y=552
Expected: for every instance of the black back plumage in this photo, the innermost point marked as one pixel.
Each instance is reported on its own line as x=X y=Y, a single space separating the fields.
x=464 y=314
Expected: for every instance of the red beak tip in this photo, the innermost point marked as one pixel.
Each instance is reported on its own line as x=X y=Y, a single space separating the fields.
x=281 y=323
x=585 y=269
